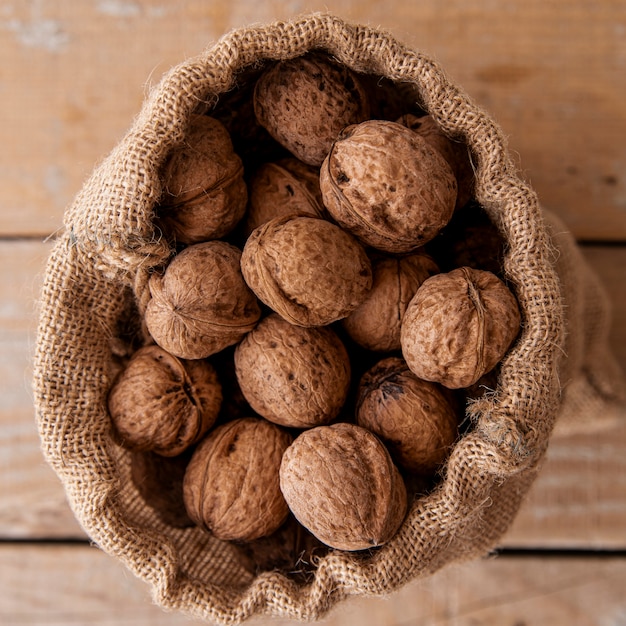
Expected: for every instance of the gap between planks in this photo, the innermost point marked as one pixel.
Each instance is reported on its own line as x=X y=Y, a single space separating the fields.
x=82 y=585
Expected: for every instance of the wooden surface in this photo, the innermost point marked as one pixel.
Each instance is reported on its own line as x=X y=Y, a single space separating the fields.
x=73 y=75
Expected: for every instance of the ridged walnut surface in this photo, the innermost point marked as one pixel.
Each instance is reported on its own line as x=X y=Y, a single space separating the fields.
x=375 y=324
x=162 y=403
x=307 y=270
x=201 y=304
x=305 y=102
x=455 y=153
x=388 y=186
x=286 y=187
x=205 y=193
x=458 y=326
x=414 y=418
x=341 y=484
x=291 y=375
x=231 y=486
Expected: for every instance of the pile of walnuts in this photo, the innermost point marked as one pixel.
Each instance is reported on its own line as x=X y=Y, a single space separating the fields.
x=334 y=299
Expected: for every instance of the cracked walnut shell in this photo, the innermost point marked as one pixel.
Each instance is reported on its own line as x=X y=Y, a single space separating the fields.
x=231 y=485
x=414 y=418
x=307 y=270
x=458 y=326
x=341 y=484
x=293 y=376
x=162 y=403
x=201 y=304
x=388 y=186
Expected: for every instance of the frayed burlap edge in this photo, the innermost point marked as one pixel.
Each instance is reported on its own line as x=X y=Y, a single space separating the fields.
x=110 y=239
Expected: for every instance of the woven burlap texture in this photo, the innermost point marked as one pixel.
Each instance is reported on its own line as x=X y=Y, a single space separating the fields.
x=110 y=243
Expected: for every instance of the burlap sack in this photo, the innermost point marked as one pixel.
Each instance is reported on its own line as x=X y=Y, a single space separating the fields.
x=592 y=382
x=108 y=245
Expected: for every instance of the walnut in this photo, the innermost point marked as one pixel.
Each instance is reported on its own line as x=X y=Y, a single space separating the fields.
x=231 y=486
x=304 y=103
x=458 y=326
x=414 y=418
x=201 y=304
x=293 y=376
x=375 y=323
x=455 y=152
x=341 y=484
x=162 y=403
x=308 y=270
x=205 y=194
x=159 y=481
x=388 y=186
x=286 y=187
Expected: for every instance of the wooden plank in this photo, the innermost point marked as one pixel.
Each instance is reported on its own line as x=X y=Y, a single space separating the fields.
x=81 y=585
x=609 y=265
x=578 y=500
x=32 y=502
x=551 y=73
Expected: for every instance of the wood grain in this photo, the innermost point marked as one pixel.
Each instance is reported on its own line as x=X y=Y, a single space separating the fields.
x=32 y=501
x=579 y=498
x=81 y=585
x=609 y=265
x=550 y=72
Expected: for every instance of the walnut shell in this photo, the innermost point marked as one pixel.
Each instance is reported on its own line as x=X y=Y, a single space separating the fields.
x=286 y=187
x=201 y=304
x=293 y=376
x=456 y=153
x=231 y=486
x=159 y=481
x=388 y=186
x=458 y=326
x=205 y=193
x=162 y=403
x=341 y=484
x=304 y=103
x=413 y=417
x=307 y=270
x=375 y=324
